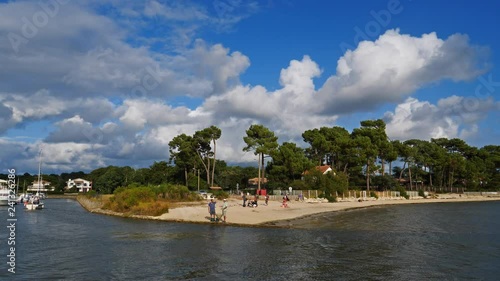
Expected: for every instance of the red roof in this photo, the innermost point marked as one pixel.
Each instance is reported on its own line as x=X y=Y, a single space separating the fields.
x=323 y=169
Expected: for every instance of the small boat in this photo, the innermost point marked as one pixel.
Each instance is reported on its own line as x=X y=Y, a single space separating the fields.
x=4 y=196
x=35 y=202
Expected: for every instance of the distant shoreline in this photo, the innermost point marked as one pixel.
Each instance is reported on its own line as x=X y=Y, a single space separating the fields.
x=272 y=215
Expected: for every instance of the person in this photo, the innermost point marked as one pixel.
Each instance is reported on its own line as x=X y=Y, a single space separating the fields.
x=224 y=210
x=255 y=201
x=285 y=202
x=244 y=200
x=267 y=199
x=211 y=209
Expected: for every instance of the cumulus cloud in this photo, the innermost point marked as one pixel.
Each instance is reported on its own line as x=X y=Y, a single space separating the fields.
x=6 y=114
x=73 y=129
x=88 y=56
x=394 y=66
x=288 y=110
x=451 y=117
x=44 y=105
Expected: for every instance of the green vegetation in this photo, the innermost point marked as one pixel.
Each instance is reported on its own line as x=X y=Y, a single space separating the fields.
x=220 y=194
x=402 y=192
x=147 y=200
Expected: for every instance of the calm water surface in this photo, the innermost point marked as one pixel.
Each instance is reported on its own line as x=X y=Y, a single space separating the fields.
x=452 y=241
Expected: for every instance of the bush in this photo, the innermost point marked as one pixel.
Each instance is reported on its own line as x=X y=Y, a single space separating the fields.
x=402 y=191
x=220 y=194
x=421 y=193
x=373 y=194
x=91 y=194
x=126 y=198
x=299 y=185
x=148 y=200
x=329 y=197
x=175 y=192
x=156 y=208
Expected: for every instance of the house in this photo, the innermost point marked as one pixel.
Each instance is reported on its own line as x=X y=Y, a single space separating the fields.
x=81 y=184
x=40 y=186
x=324 y=169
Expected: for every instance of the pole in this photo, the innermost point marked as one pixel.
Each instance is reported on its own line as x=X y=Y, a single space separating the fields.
x=258 y=184
x=198 y=179
x=39 y=172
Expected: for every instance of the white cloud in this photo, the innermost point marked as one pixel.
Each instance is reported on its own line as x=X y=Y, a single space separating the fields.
x=394 y=66
x=177 y=11
x=449 y=118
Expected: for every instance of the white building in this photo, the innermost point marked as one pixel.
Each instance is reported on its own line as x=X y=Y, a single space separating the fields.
x=42 y=186
x=81 y=184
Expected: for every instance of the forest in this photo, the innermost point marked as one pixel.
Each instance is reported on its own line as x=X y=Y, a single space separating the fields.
x=362 y=159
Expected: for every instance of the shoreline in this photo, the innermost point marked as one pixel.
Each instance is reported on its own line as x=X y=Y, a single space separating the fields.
x=272 y=215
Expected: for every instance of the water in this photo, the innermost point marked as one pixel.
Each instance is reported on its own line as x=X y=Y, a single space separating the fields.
x=452 y=241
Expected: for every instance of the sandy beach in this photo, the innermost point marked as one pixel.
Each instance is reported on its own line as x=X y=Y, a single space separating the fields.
x=273 y=213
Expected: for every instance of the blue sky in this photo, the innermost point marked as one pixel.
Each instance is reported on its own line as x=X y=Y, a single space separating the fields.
x=100 y=83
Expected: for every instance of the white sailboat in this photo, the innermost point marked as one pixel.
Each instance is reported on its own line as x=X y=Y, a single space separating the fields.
x=35 y=202
x=4 y=193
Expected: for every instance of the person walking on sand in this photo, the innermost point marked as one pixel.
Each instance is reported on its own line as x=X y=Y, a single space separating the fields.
x=285 y=203
x=244 y=199
x=211 y=209
x=224 y=210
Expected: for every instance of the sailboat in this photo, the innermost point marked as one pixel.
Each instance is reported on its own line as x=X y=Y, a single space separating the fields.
x=4 y=193
x=35 y=202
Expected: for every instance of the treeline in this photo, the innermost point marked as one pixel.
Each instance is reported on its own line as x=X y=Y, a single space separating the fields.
x=361 y=158
x=364 y=158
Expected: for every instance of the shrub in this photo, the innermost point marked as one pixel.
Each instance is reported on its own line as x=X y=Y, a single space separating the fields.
x=220 y=194
x=156 y=208
x=299 y=185
x=421 y=193
x=125 y=198
x=90 y=194
x=329 y=197
x=175 y=192
x=373 y=194
x=402 y=191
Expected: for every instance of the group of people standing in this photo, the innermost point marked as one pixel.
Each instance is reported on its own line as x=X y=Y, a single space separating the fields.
x=253 y=203
x=246 y=203
x=211 y=210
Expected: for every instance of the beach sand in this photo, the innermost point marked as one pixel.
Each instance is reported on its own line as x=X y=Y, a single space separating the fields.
x=273 y=214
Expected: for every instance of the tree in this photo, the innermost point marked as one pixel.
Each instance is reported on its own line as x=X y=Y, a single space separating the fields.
x=289 y=162
x=202 y=140
x=373 y=142
x=183 y=153
x=106 y=180
x=319 y=146
x=158 y=173
x=262 y=141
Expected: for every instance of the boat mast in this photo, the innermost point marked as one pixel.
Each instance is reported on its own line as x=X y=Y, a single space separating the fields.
x=39 y=171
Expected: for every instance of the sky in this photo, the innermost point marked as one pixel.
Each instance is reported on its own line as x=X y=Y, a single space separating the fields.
x=111 y=82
